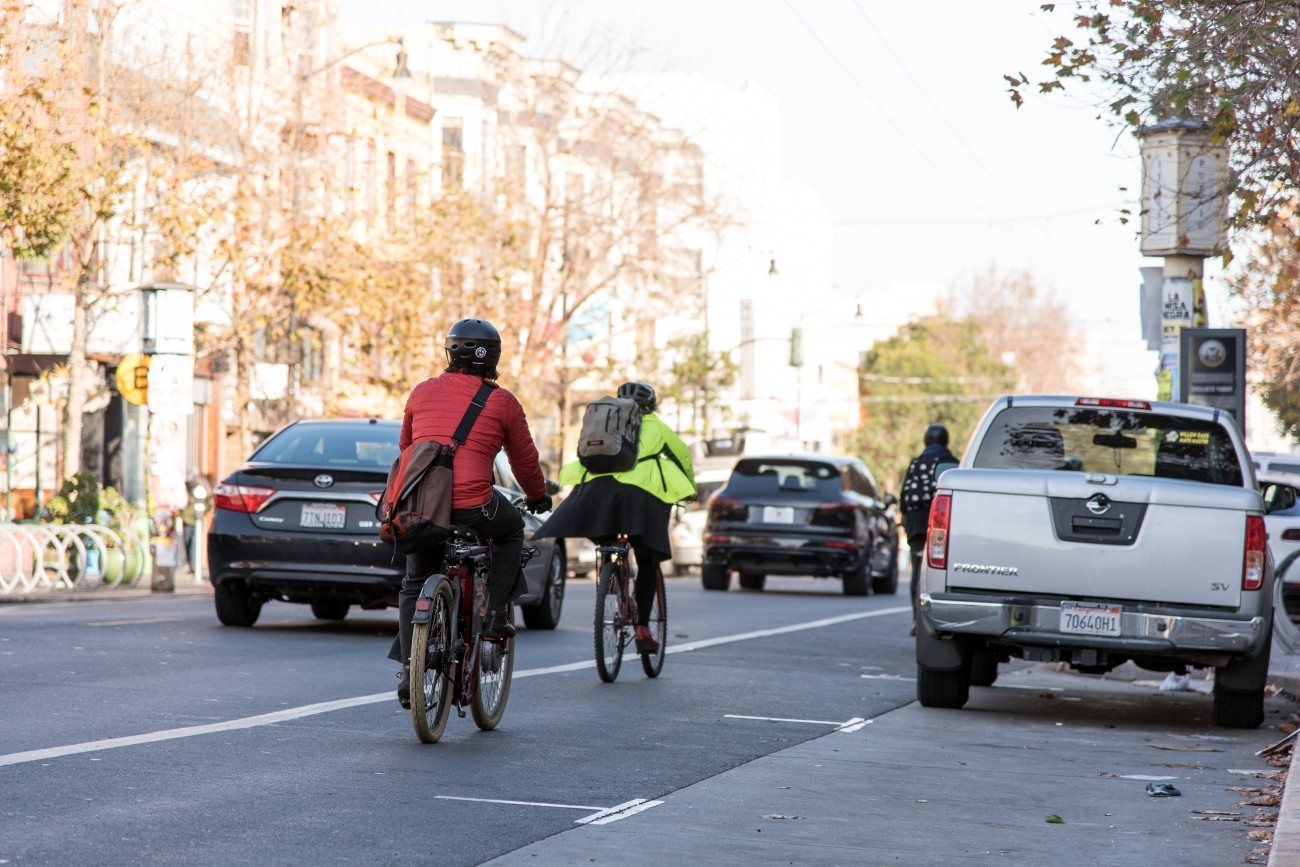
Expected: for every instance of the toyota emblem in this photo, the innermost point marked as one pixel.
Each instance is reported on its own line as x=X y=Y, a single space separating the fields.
x=1098 y=504
x=324 y=480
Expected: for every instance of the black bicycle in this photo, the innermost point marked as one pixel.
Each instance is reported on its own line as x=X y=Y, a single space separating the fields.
x=616 y=613
x=451 y=663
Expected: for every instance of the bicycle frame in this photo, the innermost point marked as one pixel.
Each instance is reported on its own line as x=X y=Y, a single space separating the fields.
x=465 y=568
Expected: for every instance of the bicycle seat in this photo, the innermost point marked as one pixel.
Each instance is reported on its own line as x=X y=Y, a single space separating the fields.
x=465 y=533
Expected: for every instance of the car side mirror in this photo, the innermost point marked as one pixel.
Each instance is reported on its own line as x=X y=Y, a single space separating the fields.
x=1278 y=498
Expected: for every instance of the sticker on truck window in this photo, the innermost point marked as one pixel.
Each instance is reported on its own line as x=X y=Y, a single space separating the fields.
x=1090 y=618
x=1188 y=437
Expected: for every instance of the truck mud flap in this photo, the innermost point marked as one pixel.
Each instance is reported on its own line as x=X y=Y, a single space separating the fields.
x=940 y=654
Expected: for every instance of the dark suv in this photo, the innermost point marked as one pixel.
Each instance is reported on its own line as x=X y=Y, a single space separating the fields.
x=817 y=515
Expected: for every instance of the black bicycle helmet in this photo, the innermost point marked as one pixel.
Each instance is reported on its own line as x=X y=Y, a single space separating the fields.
x=643 y=394
x=473 y=345
x=936 y=433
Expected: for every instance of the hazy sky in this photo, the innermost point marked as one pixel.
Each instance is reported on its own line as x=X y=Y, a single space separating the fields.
x=897 y=114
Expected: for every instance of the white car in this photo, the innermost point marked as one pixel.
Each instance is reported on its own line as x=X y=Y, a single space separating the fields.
x=1282 y=521
x=687 y=530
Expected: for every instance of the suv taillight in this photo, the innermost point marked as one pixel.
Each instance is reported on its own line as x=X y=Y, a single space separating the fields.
x=240 y=498
x=1252 y=570
x=725 y=509
x=840 y=515
x=936 y=538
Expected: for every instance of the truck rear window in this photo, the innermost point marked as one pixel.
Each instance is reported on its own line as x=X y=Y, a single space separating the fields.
x=1116 y=441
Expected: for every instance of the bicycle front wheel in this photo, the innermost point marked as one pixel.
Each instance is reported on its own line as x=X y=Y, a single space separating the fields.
x=609 y=621
x=431 y=663
x=653 y=663
x=496 y=665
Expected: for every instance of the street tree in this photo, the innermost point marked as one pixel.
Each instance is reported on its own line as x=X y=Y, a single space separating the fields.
x=1026 y=328
x=1270 y=293
x=1232 y=64
x=935 y=369
x=596 y=199
x=694 y=376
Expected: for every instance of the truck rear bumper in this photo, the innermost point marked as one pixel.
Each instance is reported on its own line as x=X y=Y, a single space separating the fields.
x=1038 y=623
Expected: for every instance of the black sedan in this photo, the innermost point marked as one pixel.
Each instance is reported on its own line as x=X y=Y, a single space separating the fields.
x=296 y=523
x=818 y=515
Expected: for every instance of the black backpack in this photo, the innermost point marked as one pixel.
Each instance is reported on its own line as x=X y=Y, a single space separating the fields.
x=610 y=435
x=918 y=485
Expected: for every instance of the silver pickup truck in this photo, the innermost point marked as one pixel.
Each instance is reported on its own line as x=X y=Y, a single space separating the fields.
x=1094 y=532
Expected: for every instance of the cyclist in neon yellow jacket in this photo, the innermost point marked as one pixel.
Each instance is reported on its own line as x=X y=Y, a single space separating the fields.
x=635 y=503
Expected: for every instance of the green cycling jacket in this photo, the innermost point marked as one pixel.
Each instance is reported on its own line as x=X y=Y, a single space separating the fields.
x=663 y=466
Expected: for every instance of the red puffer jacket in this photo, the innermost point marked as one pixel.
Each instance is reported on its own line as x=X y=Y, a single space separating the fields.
x=433 y=412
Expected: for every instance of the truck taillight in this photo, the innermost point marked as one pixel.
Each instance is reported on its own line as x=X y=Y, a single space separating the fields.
x=936 y=538
x=1252 y=571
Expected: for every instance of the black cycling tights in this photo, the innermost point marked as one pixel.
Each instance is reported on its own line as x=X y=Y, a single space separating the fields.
x=647 y=570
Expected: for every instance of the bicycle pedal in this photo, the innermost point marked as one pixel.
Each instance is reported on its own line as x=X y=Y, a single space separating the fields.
x=460 y=711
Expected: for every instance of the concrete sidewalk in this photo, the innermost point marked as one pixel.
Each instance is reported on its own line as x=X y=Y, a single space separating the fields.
x=985 y=785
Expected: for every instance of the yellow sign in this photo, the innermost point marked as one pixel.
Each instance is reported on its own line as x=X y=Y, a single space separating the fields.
x=133 y=379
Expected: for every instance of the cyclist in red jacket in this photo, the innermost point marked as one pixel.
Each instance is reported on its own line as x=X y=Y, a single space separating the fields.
x=433 y=411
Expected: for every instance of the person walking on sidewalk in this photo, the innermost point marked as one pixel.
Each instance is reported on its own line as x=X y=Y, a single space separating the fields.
x=918 y=493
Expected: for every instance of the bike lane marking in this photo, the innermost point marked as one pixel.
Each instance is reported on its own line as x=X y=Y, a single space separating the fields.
x=602 y=816
x=293 y=713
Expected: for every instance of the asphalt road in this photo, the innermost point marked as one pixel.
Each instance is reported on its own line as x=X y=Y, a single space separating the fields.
x=141 y=732
x=234 y=754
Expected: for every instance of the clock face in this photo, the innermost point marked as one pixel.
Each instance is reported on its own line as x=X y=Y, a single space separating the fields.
x=1158 y=195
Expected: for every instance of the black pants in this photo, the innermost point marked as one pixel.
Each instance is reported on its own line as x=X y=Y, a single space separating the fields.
x=497 y=523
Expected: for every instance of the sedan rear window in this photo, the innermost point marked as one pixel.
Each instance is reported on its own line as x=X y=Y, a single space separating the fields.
x=763 y=476
x=1115 y=441
x=327 y=444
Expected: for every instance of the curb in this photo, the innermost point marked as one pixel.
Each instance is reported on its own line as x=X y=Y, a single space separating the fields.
x=1285 y=850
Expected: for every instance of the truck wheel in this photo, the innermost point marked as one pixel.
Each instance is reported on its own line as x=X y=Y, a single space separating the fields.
x=1237 y=709
x=857 y=581
x=752 y=580
x=715 y=577
x=948 y=689
x=983 y=667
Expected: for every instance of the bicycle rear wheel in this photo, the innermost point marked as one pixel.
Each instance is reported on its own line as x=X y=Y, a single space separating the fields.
x=496 y=665
x=609 y=621
x=653 y=663
x=431 y=661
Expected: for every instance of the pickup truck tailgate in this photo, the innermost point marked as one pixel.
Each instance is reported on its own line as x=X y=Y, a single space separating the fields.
x=1109 y=537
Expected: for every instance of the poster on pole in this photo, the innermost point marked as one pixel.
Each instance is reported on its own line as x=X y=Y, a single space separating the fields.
x=1213 y=369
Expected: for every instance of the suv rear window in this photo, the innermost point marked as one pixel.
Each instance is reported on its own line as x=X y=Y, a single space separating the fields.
x=342 y=444
x=768 y=477
x=1116 y=441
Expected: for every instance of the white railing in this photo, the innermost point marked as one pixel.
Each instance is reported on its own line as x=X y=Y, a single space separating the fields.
x=37 y=558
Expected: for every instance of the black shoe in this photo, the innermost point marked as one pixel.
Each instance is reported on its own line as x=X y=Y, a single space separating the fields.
x=404 y=687
x=498 y=627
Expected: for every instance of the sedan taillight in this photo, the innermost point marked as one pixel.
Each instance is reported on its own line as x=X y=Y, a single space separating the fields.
x=1252 y=570
x=936 y=539
x=240 y=498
